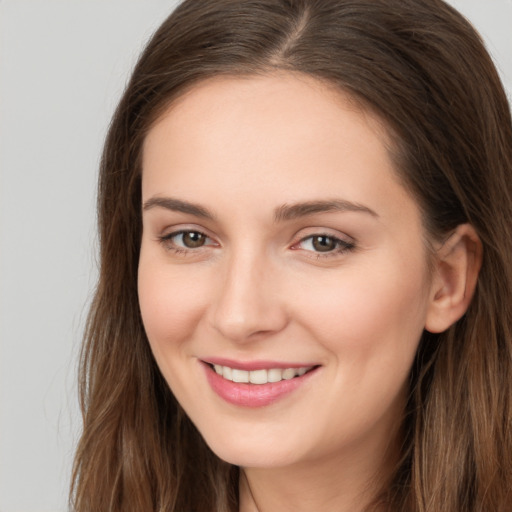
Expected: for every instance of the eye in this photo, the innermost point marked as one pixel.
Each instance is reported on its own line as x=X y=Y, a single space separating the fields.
x=190 y=239
x=186 y=240
x=321 y=243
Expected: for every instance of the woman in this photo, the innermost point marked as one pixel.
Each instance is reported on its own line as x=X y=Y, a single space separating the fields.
x=305 y=285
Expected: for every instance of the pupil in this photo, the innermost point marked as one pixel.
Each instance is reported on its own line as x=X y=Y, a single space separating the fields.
x=193 y=239
x=323 y=243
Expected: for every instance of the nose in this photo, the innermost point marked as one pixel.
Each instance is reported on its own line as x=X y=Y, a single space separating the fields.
x=248 y=303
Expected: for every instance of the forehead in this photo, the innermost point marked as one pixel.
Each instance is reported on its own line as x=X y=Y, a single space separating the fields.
x=281 y=137
x=229 y=95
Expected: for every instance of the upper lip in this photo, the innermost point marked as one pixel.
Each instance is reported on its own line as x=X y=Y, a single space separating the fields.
x=256 y=364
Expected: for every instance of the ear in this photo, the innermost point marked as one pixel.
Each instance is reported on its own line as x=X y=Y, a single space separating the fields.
x=457 y=264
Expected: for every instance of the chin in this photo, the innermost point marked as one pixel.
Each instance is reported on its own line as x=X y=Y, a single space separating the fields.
x=250 y=452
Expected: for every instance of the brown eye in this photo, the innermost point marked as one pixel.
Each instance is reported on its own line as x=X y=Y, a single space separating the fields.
x=193 y=239
x=180 y=241
x=322 y=243
x=325 y=244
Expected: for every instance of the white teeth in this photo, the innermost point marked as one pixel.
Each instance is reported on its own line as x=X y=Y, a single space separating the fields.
x=288 y=374
x=260 y=376
x=227 y=372
x=274 y=375
x=240 y=375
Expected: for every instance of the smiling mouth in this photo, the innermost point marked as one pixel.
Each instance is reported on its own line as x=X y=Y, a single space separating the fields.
x=261 y=376
x=259 y=384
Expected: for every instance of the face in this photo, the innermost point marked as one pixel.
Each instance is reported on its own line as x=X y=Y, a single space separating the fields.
x=283 y=277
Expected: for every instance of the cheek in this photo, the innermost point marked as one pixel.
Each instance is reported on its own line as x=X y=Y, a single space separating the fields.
x=371 y=326
x=171 y=305
x=374 y=316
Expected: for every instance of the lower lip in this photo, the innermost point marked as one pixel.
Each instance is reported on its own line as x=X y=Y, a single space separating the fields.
x=253 y=395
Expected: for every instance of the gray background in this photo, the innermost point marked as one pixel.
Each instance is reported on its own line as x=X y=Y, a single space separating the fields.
x=63 y=65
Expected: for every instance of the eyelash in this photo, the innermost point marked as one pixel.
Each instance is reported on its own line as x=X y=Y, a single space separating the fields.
x=340 y=246
x=170 y=245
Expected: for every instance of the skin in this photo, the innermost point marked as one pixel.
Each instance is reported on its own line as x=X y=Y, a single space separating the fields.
x=258 y=289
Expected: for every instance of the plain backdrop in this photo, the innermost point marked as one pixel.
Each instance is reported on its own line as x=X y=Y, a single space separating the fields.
x=63 y=66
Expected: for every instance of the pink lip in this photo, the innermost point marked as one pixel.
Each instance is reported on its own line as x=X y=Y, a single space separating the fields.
x=254 y=395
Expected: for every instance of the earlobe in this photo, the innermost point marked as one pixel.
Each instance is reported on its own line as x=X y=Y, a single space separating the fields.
x=457 y=265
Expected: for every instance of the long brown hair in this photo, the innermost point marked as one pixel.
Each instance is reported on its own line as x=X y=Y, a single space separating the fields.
x=421 y=67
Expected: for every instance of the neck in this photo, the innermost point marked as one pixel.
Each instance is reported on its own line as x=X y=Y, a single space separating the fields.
x=341 y=486
x=344 y=484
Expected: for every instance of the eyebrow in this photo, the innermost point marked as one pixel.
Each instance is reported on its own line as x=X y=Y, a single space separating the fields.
x=177 y=205
x=294 y=211
x=281 y=214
